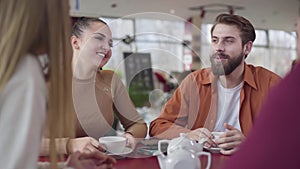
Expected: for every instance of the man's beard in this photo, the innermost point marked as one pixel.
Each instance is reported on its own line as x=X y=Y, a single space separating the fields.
x=227 y=68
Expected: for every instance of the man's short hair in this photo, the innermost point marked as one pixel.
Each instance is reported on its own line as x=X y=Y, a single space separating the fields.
x=246 y=28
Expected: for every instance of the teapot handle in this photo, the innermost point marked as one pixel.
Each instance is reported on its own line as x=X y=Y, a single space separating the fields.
x=208 y=158
x=160 y=142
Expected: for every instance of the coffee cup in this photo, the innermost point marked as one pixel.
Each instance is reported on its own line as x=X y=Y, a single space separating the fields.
x=113 y=144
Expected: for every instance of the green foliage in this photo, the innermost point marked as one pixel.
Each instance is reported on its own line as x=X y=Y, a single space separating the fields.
x=138 y=95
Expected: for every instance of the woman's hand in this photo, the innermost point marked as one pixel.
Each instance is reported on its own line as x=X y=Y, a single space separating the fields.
x=131 y=141
x=84 y=145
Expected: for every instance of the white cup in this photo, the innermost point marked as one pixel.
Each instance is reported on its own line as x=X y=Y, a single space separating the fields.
x=113 y=144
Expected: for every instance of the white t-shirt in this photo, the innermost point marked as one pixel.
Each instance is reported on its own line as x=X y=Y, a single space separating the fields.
x=228 y=107
x=22 y=115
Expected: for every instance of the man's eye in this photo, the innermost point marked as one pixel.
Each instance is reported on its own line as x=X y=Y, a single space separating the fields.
x=214 y=40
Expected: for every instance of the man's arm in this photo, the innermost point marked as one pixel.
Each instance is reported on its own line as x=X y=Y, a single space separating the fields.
x=174 y=116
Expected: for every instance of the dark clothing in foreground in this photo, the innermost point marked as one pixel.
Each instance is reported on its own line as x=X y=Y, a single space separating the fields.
x=274 y=140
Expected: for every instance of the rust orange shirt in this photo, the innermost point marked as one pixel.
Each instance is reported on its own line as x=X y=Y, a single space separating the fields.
x=194 y=104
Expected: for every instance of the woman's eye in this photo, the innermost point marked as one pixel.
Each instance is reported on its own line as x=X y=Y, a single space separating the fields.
x=100 y=38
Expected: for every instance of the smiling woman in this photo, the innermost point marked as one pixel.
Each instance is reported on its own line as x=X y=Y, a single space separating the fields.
x=97 y=93
x=91 y=42
x=93 y=46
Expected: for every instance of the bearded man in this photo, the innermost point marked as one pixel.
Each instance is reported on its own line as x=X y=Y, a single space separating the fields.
x=224 y=98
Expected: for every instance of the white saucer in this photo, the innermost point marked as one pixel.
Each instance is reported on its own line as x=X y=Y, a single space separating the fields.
x=127 y=150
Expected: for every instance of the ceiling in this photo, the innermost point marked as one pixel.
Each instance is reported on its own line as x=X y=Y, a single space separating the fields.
x=264 y=14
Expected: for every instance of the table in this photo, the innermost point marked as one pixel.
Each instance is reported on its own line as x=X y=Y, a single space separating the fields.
x=217 y=161
x=136 y=160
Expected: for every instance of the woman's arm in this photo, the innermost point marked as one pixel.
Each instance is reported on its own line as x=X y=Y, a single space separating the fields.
x=61 y=146
x=125 y=110
x=69 y=146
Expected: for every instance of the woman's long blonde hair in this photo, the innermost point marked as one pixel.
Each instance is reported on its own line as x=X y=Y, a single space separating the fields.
x=32 y=26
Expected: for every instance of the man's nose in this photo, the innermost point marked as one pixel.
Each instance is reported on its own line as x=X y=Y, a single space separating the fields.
x=220 y=47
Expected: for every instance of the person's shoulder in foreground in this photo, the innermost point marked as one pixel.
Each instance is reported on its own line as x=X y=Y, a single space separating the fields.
x=274 y=140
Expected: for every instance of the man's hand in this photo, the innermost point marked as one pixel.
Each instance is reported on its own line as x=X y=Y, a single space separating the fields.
x=230 y=140
x=84 y=145
x=202 y=134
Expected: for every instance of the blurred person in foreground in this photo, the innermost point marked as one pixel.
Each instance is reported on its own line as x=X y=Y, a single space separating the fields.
x=30 y=28
x=225 y=97
x=274 y=140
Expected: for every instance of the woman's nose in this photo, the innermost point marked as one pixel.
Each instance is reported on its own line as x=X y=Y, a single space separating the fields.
x=106 y=47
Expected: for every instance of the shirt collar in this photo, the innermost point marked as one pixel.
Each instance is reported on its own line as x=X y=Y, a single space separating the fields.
x=248 y=77
x=207 y=79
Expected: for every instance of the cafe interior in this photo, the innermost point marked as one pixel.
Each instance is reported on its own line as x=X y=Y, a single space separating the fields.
x=157 y=44
x=166 y=40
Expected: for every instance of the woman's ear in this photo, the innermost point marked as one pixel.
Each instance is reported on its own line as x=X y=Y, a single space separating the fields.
x=75 y=42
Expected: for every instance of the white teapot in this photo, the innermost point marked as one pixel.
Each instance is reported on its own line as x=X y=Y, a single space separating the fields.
x=184 y=142
x=181 y=158
x=182 y=152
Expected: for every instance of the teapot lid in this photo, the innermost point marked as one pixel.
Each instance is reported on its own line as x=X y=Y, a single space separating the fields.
x=184 y=142
x=176 y=142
